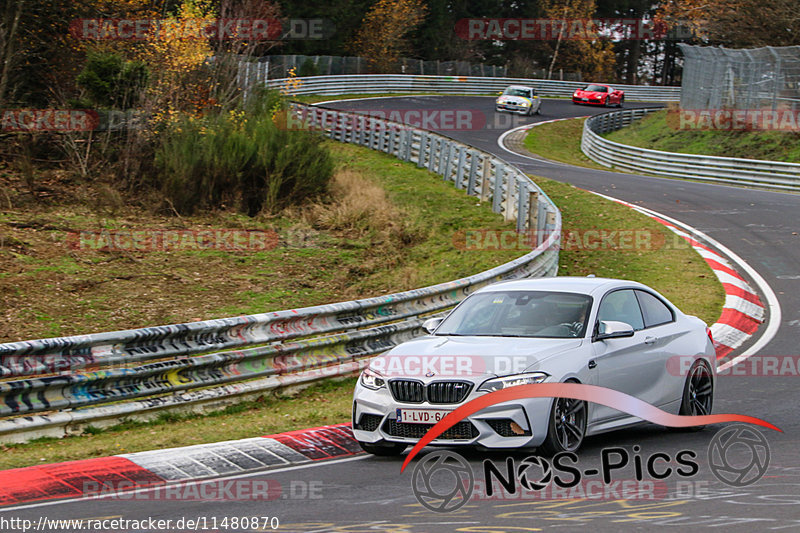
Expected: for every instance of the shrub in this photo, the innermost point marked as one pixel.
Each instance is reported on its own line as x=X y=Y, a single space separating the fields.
x=111 y=81
x=308 y=68
x=239 y=159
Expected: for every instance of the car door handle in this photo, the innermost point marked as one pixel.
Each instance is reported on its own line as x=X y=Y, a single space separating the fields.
x=592 y=363
x=650 y=340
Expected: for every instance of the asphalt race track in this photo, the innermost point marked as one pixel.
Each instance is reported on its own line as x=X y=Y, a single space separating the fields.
x=365 y=493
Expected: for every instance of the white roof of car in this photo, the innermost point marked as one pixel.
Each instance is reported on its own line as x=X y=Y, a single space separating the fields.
x=563 y=284
x=519 y=87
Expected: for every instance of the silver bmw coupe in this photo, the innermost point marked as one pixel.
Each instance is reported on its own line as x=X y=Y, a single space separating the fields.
x=613 y=333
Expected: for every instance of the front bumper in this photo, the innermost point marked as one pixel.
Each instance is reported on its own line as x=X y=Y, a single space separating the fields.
x=375 y=419
x=512 y=108
x=589 y=101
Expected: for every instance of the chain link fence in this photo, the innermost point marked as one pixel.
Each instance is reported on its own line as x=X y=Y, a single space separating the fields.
x=747 y=79
x=278 y=66
x=337 y=65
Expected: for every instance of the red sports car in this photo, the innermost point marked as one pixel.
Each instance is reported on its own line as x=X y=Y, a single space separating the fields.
x=597 y=94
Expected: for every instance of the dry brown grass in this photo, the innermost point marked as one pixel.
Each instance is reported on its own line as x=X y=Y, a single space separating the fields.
x=359 y=207
x=355 y=204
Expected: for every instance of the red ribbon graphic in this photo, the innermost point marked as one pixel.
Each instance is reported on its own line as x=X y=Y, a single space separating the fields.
x=578 y=391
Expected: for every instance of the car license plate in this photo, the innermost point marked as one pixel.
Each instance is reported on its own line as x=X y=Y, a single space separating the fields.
x=585 y=99
x=420 y=416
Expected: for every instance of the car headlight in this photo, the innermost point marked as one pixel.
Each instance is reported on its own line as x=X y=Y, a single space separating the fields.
x=505 y=382
x=372 y=380
x=525 y=104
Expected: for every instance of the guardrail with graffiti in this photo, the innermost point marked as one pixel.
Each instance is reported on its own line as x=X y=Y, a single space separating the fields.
x=52 y=386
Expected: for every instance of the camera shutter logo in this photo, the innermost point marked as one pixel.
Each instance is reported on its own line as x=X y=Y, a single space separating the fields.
x=526 y=476
x=443 y=481
x=735 y=442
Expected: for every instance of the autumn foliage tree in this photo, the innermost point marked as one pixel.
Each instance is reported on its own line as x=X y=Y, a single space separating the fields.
x=383 y=35
x=593 y=58
x=737 y=23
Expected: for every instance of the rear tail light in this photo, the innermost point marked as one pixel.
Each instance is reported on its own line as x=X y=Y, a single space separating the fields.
x=710 y=336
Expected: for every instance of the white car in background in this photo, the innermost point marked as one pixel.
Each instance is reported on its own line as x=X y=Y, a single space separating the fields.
x=613 y=333
x=519 y=99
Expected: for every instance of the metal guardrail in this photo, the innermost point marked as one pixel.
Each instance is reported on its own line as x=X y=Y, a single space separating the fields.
x=749 y=172
x=298 y=345
x=399 y=83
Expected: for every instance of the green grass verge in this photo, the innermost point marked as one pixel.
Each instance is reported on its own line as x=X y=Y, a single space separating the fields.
x=657 y=133
x=668 y=263
x=560 y=141
x=676 y=271
x=49 y=288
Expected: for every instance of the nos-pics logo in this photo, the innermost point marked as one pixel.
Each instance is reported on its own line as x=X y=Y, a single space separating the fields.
x=443 y=481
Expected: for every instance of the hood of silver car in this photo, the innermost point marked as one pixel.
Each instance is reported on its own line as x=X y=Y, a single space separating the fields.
x=451 y=357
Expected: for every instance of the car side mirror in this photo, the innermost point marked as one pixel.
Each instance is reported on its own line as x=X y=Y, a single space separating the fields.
x=611 y=329
x=431 y=324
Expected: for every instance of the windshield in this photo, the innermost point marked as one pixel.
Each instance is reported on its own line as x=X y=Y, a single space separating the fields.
x=597 y=88
x=520 y=314
x=517 y=92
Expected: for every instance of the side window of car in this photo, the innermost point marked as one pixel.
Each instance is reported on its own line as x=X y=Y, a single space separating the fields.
x=654 y=310
x=621 y=306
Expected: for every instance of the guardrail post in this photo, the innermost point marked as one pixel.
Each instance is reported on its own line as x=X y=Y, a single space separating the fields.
x=448 y=164
x=362 y=131
x=486 y=179
x=522 y=205
x=462 y=158
x=533 y=216
x=419 y=136
x=551 y=221
x=402 y=140
x=387 y=135
x=473 y=172
x=444 y=156
x=340 y=128
x=372 y=133
x=511 y=184
x=391 y=131
x=423 y=145
x=344 y=125
x=325 y=127
x=409 y=145
x=497 y=190
x=435 y=143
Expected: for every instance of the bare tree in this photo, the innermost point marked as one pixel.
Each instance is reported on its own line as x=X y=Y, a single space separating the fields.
x=9 y=26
